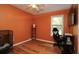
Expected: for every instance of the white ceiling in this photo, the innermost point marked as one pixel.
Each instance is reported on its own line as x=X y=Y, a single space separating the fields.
x=44 y=7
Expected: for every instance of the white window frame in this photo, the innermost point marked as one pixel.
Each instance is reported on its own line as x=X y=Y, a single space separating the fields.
x=51 y=23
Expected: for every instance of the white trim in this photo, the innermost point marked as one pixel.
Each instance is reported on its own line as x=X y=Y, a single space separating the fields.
x=51 y=23
x=45 y=41
x=22 y=42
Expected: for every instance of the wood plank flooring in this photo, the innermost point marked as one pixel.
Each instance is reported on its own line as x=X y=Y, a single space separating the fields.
x=35 y=47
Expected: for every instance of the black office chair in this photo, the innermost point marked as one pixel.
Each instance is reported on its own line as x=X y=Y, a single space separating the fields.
x=56 y=36
x=6 y=41
x=68 y=46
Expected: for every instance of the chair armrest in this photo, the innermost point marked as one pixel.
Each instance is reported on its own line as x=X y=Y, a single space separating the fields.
x=5 y=46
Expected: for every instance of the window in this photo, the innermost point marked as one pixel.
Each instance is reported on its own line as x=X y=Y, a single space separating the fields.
x=57 y=22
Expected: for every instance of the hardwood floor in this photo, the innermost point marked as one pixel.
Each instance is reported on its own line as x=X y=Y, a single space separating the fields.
x=35 y=47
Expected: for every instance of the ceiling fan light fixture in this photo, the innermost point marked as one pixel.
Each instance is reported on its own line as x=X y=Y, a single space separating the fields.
x=34 y=6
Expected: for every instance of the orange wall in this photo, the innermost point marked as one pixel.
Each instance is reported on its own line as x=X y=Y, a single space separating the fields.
x=43 y=22
x=14 y=19
x=20 y=22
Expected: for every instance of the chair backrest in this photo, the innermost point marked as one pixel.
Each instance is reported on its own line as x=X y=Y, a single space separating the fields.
x=69 y=40
x=6 y=36
x=56 y=34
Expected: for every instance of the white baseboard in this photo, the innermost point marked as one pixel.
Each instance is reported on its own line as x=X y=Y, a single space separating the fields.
x=31 y=39
x=22 y=42
x=46 y=41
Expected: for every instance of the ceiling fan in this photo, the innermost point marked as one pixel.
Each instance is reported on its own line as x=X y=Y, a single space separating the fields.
x=36 y=8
